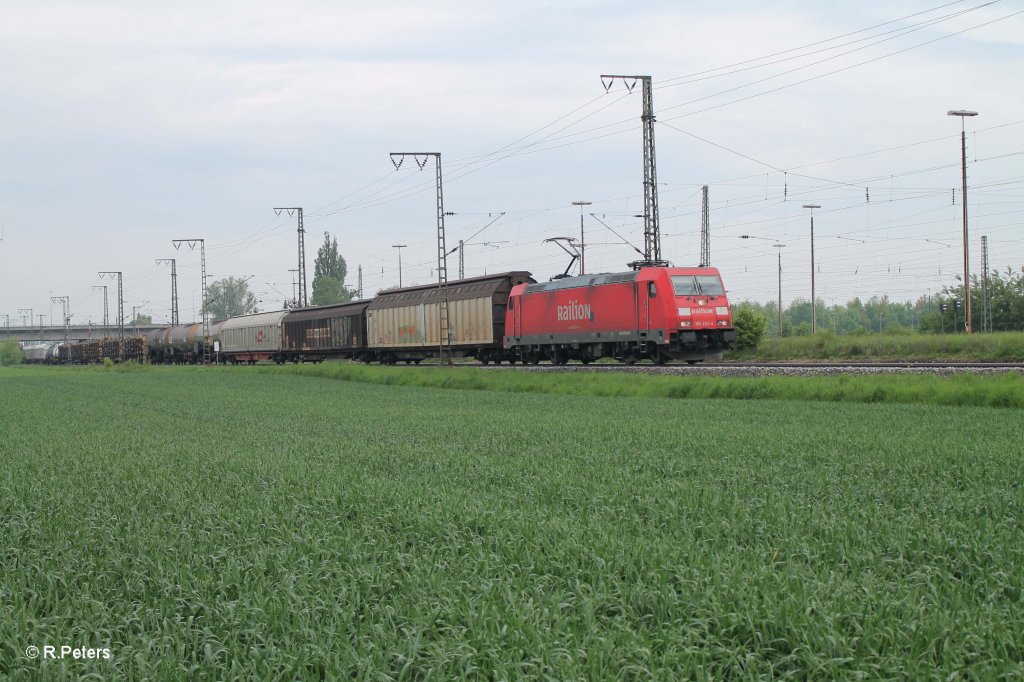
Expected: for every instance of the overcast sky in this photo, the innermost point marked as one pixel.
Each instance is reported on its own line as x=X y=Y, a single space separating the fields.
x=128 y=125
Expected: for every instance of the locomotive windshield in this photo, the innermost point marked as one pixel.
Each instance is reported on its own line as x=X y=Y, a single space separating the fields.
x=685 y=285
x=690 y=285
x=710 y=285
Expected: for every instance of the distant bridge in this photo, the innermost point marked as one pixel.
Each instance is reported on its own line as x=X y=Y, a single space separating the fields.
x=76 y=332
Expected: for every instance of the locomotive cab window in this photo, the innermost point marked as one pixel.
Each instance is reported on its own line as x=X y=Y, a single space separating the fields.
x=710 y=285
x=511 y=304
x=652 y=290
x=684 y=285
x=697 y=285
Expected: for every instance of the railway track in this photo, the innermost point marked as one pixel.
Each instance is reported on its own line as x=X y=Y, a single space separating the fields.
x=781 y=368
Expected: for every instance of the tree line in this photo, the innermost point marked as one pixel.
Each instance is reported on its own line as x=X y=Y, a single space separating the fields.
x=931 y=314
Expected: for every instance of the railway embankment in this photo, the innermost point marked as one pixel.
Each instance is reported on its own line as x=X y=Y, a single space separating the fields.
x=826 y=346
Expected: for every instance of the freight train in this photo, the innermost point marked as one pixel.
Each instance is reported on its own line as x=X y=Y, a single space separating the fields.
x=651 y=313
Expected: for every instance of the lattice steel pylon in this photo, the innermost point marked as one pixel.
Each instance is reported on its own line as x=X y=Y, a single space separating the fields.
x=359 y=290
x=303 y=295
x=120 y=310
x=174 y=287
x=986 y=304
x=444 y=328
x=202 y=311
x=65 y=302
x=106 y=315
x=652 y=230
x=705 y=231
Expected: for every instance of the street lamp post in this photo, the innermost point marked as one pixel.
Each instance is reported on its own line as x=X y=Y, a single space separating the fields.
x=780 y=247
x=399 y=247
x=814 y=307
x=295 y=297
x=963 y=164
x=581 y=204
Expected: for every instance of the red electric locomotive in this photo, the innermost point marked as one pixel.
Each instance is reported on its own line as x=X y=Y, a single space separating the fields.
x=660 y=313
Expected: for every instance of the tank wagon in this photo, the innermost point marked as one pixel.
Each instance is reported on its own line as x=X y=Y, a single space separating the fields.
x=41 y=353
x=404 y=324
x=654 y=312
x=156 y=341
x=181 y=345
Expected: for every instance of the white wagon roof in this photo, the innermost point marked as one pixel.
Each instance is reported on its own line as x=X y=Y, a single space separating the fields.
x=272 y=319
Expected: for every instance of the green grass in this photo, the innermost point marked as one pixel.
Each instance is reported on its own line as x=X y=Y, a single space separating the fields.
x=217 y=524
x=997 y=347
x=991 y=390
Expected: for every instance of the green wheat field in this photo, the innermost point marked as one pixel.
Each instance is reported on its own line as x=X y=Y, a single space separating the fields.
x=228 y=523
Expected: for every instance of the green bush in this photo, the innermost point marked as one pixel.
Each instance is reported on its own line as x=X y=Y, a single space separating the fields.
x=11 y=353
x=750 y=326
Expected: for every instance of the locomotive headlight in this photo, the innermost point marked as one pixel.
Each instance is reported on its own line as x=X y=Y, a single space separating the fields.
x=685 y=312
x=722 y=310
x=686 y=323
x=723 y=323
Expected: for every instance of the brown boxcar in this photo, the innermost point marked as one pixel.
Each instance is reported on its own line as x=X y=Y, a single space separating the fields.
x=404 y=324
x=313 y=334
